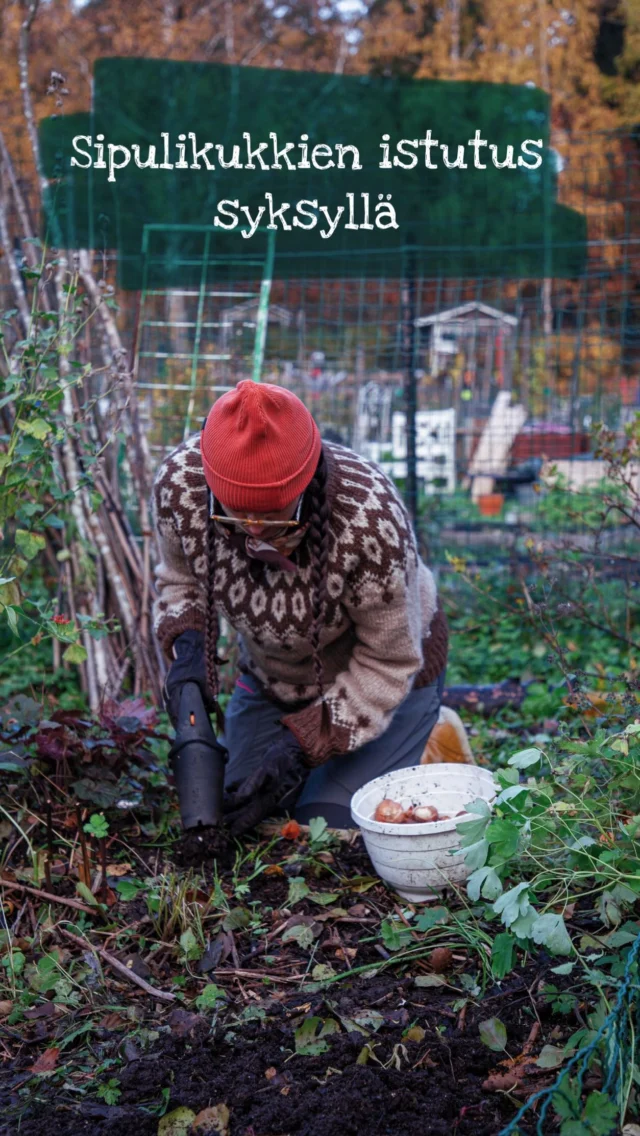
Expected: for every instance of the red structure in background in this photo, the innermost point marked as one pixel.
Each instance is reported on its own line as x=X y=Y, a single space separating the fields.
x=546 y=439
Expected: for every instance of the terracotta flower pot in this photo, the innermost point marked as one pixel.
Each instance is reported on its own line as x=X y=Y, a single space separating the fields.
x=490 y=504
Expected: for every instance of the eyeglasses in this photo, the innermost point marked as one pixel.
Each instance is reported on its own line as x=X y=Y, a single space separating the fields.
x=242 y=522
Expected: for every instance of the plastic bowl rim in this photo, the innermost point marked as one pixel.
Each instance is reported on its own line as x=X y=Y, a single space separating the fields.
x=426 y=828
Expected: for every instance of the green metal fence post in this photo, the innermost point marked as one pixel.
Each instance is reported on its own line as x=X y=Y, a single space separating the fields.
x=263 y=308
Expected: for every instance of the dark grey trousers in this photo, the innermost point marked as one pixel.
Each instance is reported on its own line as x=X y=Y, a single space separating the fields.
x=252 y=724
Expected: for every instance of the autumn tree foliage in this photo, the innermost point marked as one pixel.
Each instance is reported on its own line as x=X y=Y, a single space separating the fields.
x=586 y=55
x=67 y=38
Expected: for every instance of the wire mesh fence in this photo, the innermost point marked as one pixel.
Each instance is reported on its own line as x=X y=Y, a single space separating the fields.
x=612 y=1048
x=466 y=389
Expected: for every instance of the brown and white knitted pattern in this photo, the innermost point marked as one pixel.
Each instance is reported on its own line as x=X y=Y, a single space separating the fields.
x=383 y=632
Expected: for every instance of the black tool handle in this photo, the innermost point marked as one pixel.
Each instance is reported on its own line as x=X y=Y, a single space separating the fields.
x=197 y=761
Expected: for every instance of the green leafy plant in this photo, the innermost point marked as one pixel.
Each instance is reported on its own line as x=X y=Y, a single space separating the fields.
x=129 y=889
x=556 y=826
x=110 y=1092
x=211 y=997
x=309 y=1036
x=298 y=889
x=395 y=935
x=597 y=1117
x=493 y=1034
x=41 y=496
x=97 y=826
x=319 y=836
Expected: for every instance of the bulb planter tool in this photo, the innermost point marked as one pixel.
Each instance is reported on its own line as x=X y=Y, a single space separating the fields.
x=196 y=762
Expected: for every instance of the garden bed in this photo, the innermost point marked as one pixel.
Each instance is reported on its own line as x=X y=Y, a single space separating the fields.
x=392 y=1040
x=283 y=986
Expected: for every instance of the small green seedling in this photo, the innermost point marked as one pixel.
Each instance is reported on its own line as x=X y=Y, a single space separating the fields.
x=97 y=826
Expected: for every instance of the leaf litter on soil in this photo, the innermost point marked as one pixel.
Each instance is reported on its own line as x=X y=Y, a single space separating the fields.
x=300 y=996
x=271 y=1031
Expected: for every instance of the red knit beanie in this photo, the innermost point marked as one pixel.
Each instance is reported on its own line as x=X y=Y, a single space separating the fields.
x=260 y=447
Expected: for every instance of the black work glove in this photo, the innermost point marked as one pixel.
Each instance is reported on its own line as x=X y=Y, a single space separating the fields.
x=188 y=666
x=281 y=772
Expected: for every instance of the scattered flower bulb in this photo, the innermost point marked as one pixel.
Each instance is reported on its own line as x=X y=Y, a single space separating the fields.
x=392 y=812
x=389 y=812
x=423 y=813
x=441 y=959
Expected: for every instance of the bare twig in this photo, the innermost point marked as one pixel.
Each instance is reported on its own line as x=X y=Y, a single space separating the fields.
x=49 y=857
x=64 y=901
x=19 y=202
x=115 y=964
x=103 y=865
x=235 y=973
x=17 y=283
x=86 y=863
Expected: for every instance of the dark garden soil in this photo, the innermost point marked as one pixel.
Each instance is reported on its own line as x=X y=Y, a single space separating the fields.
x=200 y=846
x=432 y=1085
x=283 y=986
x=403 y=1058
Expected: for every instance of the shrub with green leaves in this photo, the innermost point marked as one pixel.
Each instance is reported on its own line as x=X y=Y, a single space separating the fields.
x=45 y=466
x=567 y=821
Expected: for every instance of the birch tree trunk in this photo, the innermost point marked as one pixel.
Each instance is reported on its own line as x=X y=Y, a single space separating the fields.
x=104 y=573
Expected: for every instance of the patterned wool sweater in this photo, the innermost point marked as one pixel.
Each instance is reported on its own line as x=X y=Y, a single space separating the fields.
x=383 y=630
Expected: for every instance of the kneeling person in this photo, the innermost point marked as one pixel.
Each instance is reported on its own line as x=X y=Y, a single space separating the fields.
x=307 y=550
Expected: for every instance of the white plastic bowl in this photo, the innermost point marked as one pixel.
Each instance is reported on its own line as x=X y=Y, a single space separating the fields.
x=415 y=859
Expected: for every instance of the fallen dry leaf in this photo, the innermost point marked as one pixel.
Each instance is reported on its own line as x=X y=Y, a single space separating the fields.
x=136 y=963
x=197 y=895
x=183 y=1023
x=113 y=1022
x=500 y=1082
x=46 y=1062
x=46 y=1010
x=119 y=869
x=278 y=1080
x=211 y=1120
x=347 y=954
x=177 y=1123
